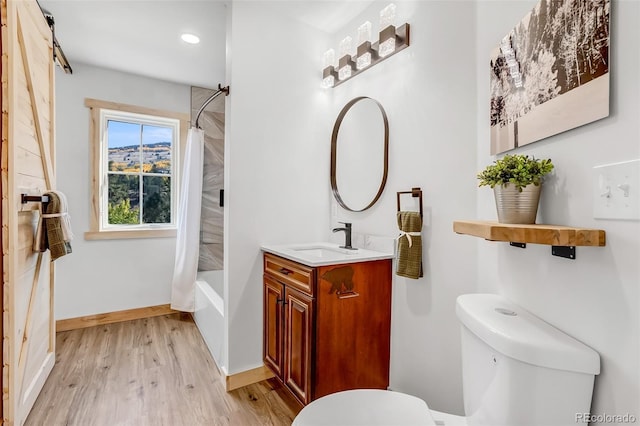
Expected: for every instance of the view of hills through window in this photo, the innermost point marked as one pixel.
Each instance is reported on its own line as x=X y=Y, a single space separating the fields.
x=139 y=173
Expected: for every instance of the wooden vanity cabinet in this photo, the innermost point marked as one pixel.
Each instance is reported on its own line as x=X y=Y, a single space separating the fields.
x=327 y=328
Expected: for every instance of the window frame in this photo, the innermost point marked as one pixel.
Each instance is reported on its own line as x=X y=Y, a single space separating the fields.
x=101 y=112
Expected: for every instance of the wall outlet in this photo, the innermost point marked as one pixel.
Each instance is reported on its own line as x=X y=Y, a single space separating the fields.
x=616 y=191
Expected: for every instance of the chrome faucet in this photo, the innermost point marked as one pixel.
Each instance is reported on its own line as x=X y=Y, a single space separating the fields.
x=347 y=235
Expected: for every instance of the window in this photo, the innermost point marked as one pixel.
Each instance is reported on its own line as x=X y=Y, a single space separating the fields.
x=138 y=185
x=135 y=162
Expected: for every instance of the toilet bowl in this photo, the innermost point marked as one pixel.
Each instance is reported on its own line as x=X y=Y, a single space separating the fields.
x=516 y=370
x=373 y=407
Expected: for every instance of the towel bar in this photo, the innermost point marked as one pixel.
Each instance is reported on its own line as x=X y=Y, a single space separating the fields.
x=24 y=198
x=415 y=193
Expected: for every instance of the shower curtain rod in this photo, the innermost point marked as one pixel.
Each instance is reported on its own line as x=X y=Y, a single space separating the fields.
x=221 y=89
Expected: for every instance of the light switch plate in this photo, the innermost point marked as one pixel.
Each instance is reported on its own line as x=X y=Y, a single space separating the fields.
x=616 y=191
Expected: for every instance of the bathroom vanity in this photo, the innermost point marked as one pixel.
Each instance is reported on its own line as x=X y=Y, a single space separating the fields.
x=327 y=319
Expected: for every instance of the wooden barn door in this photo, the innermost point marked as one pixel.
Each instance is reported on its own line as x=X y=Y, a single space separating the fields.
x=28 y=166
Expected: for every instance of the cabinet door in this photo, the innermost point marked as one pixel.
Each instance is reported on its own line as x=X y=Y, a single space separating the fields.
x=273 y=325
x=298 y=340
x=353 y=323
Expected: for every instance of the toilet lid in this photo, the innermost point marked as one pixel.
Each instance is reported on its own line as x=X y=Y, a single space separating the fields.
x=365 y=407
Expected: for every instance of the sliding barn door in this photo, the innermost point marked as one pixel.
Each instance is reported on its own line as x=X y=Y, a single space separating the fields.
x=28 y=158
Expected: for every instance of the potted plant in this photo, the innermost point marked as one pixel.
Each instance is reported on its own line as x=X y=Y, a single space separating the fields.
x=516 y=181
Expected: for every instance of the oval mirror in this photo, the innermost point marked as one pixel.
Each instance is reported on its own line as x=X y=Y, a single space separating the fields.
x=359 y=154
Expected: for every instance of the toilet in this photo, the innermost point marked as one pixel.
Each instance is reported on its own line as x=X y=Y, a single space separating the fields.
x=516 y=370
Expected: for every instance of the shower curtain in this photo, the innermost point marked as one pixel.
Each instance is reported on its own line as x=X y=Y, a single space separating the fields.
x=188 y=236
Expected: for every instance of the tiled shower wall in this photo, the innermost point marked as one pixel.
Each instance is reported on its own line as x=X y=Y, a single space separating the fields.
x=212 y=217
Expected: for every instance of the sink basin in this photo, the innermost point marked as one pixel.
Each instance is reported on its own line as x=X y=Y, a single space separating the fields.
x=321 y=254
x=324 y=252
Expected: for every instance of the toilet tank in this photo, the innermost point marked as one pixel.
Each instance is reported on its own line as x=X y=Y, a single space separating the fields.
x=518 y=369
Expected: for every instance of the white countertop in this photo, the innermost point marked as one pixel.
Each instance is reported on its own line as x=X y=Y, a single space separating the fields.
x=322 y=254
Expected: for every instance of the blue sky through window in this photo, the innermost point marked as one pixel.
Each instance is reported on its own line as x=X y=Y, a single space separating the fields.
x=125 y=134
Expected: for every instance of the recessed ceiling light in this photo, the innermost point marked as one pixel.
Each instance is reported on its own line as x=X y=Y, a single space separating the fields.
x=190 y=38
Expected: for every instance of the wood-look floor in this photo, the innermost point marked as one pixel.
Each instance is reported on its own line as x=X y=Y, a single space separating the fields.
x=154 y=371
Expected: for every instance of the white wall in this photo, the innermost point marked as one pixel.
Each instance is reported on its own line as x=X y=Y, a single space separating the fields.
x=109 y=275
x=276 y=159
x=594 y=298
x=428 y=92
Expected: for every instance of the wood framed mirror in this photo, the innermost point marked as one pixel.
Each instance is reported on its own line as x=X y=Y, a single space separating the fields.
x=359 y=154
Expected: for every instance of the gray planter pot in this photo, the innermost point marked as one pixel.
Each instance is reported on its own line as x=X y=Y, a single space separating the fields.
x=517 y=207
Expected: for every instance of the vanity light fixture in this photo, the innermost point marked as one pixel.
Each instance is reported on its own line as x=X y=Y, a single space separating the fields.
x=346 y=66
x=190 y=38
x=391 y=40
x=329 y=74
x=365 y=53
x=388 y=32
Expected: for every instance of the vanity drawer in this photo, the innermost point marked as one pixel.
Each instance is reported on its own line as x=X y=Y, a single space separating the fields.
x=290 y=273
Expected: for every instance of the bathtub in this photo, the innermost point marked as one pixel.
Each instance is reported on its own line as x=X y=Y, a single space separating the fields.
x=209 y=312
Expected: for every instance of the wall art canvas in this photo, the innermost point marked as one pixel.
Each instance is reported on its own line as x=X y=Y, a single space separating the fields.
x=550 y=73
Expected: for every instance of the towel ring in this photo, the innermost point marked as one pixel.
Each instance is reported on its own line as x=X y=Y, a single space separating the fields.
x=415 y=193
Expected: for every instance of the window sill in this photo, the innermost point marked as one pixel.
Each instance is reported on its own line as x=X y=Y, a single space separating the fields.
x=134 y=233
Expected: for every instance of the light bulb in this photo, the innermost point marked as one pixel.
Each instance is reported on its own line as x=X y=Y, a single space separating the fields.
x=387 y=46
x=345 y=65
x=387 y=31
x=364 y=37
x=345 y=46
x=364 y=32
x=344 y=72
x=363 y=60
x=190 y=38
x=329 y=58
x=328 y=82
x=328 y=73
x=387 y=16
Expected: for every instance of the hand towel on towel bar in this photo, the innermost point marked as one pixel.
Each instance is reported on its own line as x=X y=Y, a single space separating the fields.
x=54 y=228
x=409 y=245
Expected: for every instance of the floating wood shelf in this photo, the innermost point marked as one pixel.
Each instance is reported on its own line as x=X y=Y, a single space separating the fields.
x=552 y=235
